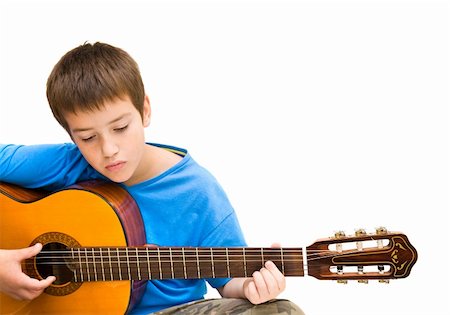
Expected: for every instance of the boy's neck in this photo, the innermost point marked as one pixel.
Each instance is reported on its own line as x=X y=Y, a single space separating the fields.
x=155 y=161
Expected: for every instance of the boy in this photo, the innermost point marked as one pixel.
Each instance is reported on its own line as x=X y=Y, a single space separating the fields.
x=96 y=93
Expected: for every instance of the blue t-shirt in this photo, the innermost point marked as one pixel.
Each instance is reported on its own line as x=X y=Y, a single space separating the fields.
x=183 y=206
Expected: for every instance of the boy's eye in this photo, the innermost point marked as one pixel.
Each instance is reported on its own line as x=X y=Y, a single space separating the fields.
x=88 y=139
x=121 y=128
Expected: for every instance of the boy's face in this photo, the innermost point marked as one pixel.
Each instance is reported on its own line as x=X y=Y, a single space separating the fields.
x=112 y=139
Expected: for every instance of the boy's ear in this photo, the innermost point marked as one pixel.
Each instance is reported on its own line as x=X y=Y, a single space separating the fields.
x=146 y=112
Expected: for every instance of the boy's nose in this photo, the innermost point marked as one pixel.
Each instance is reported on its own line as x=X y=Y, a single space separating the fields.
x=109 y=148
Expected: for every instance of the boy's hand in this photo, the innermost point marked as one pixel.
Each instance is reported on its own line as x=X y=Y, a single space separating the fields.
x=266 y=284
x=13 y=281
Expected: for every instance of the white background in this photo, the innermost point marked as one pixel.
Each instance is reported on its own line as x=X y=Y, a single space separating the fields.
x=315 y=116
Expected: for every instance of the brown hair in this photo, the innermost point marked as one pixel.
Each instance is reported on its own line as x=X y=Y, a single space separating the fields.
x=88 y=76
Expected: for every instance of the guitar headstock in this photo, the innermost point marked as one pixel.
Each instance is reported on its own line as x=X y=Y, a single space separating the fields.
x=363 y=256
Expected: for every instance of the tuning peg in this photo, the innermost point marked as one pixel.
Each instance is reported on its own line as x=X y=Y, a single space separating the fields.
x=342 y=281
x=383 y=281
x=339 y=234
x=381 y=230
x=360 y=232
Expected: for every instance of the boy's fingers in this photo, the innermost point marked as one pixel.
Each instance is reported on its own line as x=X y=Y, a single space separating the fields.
x=30 y=251
x=276 y=273
x=271 y=284
x=47 y=281
x=35 y=287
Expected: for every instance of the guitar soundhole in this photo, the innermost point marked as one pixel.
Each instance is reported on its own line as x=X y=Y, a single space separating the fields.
x=53 y=261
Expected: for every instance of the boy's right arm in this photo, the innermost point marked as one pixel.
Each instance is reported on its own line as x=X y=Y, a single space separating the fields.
x=13 y=281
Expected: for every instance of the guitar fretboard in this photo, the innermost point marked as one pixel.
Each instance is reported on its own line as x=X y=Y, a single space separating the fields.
x=139 y=263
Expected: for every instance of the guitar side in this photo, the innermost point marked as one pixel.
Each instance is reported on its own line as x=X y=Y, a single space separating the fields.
x=83 y=212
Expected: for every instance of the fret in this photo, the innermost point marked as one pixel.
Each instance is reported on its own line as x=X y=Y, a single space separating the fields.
x=171 y=262
x=148 y=265
x=137 y=264
x=184 y=263
x=155 y=263
x=205 y=263
x=212 y=263
x=262 y=257
x=101 y=263
x=179 y=263
x=118 y=264
x=245 y=262
x=160 y=266
x=228 y=262
x=293 y=262
x=221 y=262
x=81 y=265
x=87 y=265
x=276 y=256
x=94 y=264
x=252 y=260
x=128 y=263
x=75 y=278
x=236 y=260
x=110 y=264
x=198 y=263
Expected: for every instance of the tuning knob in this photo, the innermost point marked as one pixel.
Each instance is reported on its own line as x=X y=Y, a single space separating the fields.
x=383 y=281
x=381 y=230
x=339 y=234
x=342 y=281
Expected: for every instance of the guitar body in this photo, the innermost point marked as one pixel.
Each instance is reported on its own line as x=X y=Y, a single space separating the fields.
x=79 y=214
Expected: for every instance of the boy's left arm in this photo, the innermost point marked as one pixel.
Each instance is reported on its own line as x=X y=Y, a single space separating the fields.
x=264 y=285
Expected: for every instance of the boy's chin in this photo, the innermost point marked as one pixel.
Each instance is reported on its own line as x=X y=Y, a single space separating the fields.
x=118 y=179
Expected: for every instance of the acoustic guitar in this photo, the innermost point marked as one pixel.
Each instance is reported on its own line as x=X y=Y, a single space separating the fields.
x=94 y=243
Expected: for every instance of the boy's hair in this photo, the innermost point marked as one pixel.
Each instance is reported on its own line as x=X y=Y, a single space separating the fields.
x=88 y=76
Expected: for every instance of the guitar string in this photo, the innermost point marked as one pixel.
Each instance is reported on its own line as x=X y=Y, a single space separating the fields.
x=92 y=252
x=134 y=268
x=190 y=250
x=90 y=255
x=118 y=261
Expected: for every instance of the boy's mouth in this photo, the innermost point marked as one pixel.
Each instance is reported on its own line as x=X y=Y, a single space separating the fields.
x=115 y=166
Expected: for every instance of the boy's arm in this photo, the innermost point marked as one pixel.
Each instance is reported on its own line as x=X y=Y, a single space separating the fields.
x=49 y=166
x=265 y=284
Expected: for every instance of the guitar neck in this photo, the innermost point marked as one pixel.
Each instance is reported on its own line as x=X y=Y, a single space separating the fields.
x=141 y=263
x=391 y=260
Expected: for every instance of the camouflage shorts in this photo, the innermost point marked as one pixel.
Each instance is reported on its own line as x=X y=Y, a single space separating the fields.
x=233 y=307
